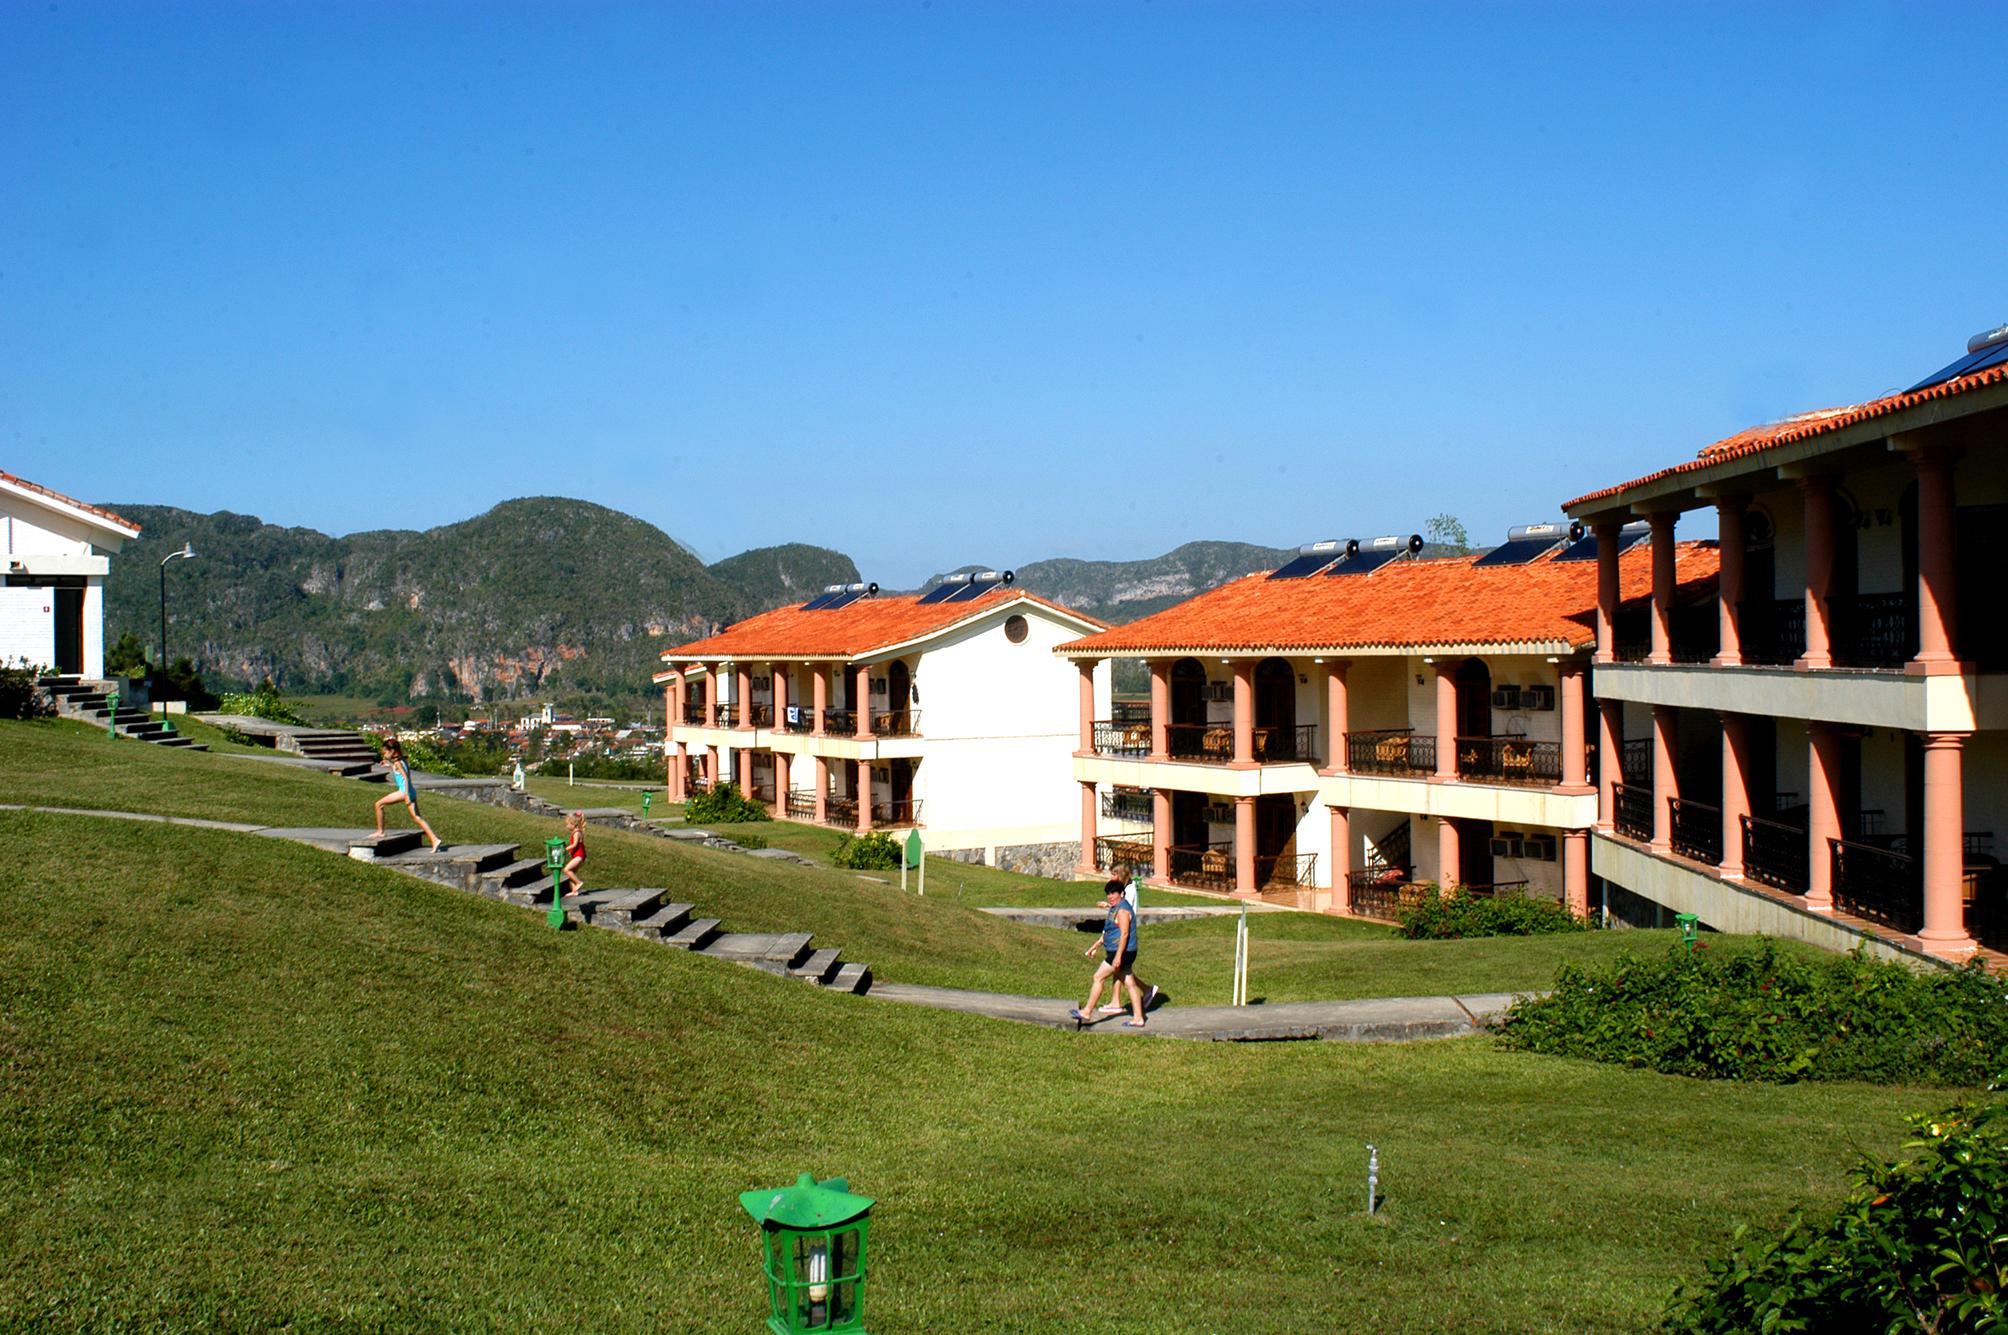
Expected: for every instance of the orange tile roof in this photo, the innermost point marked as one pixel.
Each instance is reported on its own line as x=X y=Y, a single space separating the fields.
x=848 y=632
x=1409 y=604
x=1804 y=426
x=54 y=495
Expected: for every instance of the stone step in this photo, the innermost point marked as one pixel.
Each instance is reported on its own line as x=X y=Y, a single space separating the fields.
x=180 y=743
x=589 y=904
x=817 y=968
x=665 y=921
x=781 y=949
x=628 y=905
x=852 y=978
x=694 y=934
x=470 y=857
x=523 y=872
x=386 y=845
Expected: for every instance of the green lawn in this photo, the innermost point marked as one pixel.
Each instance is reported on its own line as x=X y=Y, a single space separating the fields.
x=250 y=1085
x=593 y=793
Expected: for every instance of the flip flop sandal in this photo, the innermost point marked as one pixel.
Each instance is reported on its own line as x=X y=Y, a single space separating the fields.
x=1133 y=1024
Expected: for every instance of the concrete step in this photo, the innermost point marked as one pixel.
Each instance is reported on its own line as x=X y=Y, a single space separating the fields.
x=476 y=858
x=628 y=905
x=180 y=743
x=386 y=845
x=694 y=934
x=523 y=872
x=817 y=968
x=852 y=978
x=781 y=950
x=665 y=921
x=589 y=904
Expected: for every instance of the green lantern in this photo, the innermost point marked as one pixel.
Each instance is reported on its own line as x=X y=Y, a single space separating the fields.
x=554 y=858
x=647 y=799
x=112 y=714
x=814 y=1234
x=1687 y=923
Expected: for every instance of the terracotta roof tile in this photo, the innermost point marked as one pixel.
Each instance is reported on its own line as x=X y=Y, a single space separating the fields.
x=1805 y=426
x=847 y=632
x=1409 y=604
x=54 y=495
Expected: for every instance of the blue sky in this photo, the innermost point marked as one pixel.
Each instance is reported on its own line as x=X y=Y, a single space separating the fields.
x=942 y=283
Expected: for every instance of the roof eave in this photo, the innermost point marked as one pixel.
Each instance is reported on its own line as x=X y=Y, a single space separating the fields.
x=1379 y=650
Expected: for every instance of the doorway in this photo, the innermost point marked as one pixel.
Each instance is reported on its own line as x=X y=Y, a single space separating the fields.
x=1188 y=820
x=1276 y=839
x=68 y=605
x=1474 y=699
x=1275 y=710
x=1474 y=852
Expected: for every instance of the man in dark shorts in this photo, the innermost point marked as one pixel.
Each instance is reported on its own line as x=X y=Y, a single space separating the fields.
x=1119 y=958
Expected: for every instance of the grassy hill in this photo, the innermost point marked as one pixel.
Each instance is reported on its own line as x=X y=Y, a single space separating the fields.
x=253 y=1085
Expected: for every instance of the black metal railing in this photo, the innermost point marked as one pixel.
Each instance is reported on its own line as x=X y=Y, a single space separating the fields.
x=725 y=716
x=1870 y=630
x=1397 y=751
x=1774 y=854
x=1212 y=743
x=1631 y=650
x=1878 y=885
x=1631 y=811
x=1295 y=871
x=1130 y=804
x=1203 y=866
x=896 y=723
x=1509 y=760
x=1113 y=851
x=799 y=718
x=696 y=715
x=1986 y=891
x=1771 y=632
x=1697 y=830
x=761 y=715
x=840 y=722
x=841 y=812
x=1122 y=737
x=1694 y=632
x=1377 y=892
x=801 y=804
x=904 y=811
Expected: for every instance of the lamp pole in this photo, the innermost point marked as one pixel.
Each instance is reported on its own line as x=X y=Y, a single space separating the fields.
x=187 y=552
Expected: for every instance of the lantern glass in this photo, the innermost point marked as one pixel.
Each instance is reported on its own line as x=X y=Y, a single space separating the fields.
x=814 y=1278
x=554 y=854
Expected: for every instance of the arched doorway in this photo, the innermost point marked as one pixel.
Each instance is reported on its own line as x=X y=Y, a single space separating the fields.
x=1275 y=709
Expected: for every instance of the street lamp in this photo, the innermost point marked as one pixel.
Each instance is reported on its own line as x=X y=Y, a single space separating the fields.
x=187 y=552
x=813 y=1239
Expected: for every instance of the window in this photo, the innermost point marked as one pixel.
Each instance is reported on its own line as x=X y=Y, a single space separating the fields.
x=1015 y=629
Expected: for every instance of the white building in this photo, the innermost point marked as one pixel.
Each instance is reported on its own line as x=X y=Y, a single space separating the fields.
x=57 y=552
x=944 y=712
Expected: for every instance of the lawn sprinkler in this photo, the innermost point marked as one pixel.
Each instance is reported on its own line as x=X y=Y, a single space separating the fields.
x=112 y=714
x=813 y=1242
x=1687 y=922
x=554 y=858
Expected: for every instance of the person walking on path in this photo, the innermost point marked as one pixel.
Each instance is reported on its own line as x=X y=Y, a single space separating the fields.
x=1114 y=1005
x=402 y=789
x=1119 y=950
x=575 y=850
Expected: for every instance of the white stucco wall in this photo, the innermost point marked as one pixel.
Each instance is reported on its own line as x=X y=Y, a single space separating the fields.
x=46 y=541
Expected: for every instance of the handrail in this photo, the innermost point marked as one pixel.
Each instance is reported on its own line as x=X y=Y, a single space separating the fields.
x=1122 y=737
x=726 y=715
x=801 y=804
x=1113 y=851
x=696 y=715
x=1509 y=760
x=1871 y=630
x=1774 y=854
x=1299 y=870
x=799 y=719
x=1631 y=812
x=1878 y=885
x=760 y=714
x=1203 y=866
x=905 y=811
x=1697 y=830
x=841 y=722
x=1211 y=743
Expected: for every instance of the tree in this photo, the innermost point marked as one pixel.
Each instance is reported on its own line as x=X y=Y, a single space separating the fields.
x=1446 y=530
x=126 y=657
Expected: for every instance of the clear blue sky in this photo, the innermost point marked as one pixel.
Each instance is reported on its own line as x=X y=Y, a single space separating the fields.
x=951 y=282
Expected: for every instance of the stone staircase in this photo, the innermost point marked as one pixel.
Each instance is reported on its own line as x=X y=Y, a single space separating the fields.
x=90 y=702
x=332 y=744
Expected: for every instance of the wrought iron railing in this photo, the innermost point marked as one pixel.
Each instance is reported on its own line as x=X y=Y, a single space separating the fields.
x=1631 y=811
x=1122 y=737
x=1276 y=745
x=904 y=811
x=1772 y=632
x=1496 y=890
x=1129 y=711
x=1774 y=854
x=1986 y=891
x=1113 y=851
x=799 y=718
x=696 y=715
x=1399 y=751
x=1283 y=872
x=801 y=804
x=725 y=716
x=763 y=792
x=1377 y=892
x=1130 y=804
x=1635 y=760
x=1878 y=885
x=761 y=714
x=1509 y=760
x=1871 y=630
x=1697 y=830
x=896 y=723
x=840 y=811
x=1212 y=743
x=1203 y=866
x=841 y=722
x=1694 y=632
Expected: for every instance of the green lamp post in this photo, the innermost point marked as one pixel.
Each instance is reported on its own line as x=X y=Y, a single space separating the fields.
x=814 y=1234
x=554 y=858
x=112 y=715
x=1687 y=922
x=647 y=798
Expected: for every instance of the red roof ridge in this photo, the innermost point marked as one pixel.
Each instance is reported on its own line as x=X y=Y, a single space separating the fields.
x=863 y=627
x=53 y=494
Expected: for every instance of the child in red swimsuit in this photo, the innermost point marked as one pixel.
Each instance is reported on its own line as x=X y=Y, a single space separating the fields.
x=575 y=850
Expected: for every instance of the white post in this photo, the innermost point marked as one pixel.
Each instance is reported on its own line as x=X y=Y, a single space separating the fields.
x=570 y=782
x=923 y=871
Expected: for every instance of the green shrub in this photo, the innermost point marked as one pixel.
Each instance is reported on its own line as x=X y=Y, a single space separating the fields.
x=262 y=701
x=1440 y=917
x=723 y=804
x=1762 y=1015
x=1919 y=1245
x=19 y=696
x=877 y=851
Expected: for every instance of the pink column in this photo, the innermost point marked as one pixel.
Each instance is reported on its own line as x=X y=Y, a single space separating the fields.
x=1662 y=588
x=1087 y=706
x=863 y=789
x=1823 y=823
x=1735 y=792
x=1446 y=723
x=1089 y=817
x=1337 y=710
x=1610 y=759
x=1244 y=714
x=1665 y=784
x=742 y=770
x=679 y=773
x=1244 y=841
x=1819 y=500
x=1937 y=563
x=745 y=694
x=1607 y=592
x=1944 y=931
x=711 y=765
x=1575 y=755
x=1730 y=517
x=1449 y=855
x=780 y=678
x=822 y=787
x=1342 y=854
x=861 y=701
x=1160 y=708
x=1576 y=871
x=781 y=783
x=821 y=696
x=1160 y=835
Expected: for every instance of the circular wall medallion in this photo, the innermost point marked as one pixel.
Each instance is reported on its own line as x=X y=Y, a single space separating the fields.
x=1015 y=629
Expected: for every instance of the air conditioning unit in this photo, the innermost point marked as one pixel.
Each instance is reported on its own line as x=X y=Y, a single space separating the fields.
x=878 y=686
x=1505 y=845
x=1220 y=813
x=1506 y=697
x=1219 y=690
x=1537 y=697
x=1540 y=847
x=763 y=683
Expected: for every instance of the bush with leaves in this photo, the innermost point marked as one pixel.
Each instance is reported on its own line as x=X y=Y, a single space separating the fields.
x=1920 y=1244
x=1437 y=916
x=20 y=693
x=877 y=851
x=1762 y=1014
x=600 y=765
x=722 y=804
x=261 y=701
x=126 y=657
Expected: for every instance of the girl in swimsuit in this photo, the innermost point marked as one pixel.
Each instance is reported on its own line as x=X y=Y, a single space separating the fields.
x=575 y=850
x=402 y=789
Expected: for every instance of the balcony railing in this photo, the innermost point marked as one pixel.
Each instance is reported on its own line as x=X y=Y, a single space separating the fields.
x=1281 y=745
x=1509 y=760
x=1130 y=804
x=1378 y=892
x=1987 y=906
x=801 y=804
x=1295 y=871
x=1203 y=866
x=1213 y=743
x=696 y=715
x=1697 y=830
x=1635 y=761
x=699 y=784
x=841 y=812
x=799 y=718
x=1775 y=854
x=1397 y=751
x=762 y=714
x=1870 y=630
x=896 y=723
x=1113 y=851
x=1878 y=885
x=763 y=791
x=725 y=716
x=1122 y=737
x=1209 y=742
x=1632 y=811
x=1772 y=632
x=893 y=814
x=839 y=722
